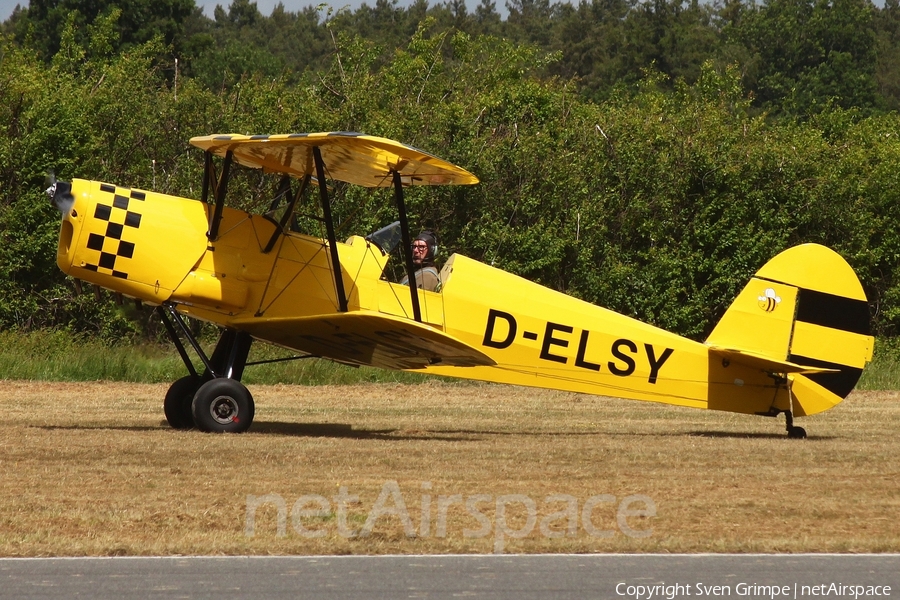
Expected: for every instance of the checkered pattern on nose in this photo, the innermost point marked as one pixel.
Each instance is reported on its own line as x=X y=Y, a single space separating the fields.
x=121 y=213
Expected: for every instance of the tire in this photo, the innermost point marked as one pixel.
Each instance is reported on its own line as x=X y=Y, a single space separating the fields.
x=223 y=406
x=179 y=398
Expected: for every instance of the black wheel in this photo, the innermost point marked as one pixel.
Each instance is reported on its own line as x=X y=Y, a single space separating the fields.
x=797 y=433
x=177 y=404
x=223 y=406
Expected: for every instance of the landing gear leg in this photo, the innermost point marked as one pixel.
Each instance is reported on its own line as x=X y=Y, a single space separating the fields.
x=794 y=433
x=216 y=400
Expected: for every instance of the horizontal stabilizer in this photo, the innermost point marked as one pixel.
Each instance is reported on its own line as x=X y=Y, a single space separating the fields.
x=765 y=363
x=367 y=338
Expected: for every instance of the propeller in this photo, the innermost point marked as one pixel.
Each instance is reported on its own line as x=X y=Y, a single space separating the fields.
x=60 y=193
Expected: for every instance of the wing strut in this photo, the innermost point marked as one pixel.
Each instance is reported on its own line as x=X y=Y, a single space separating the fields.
x=288 y=213
x=407 y=247
x=208 y=173
x=221 y=188
x=329 y=227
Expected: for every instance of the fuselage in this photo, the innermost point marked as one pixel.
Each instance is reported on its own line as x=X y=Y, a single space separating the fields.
x=154 y=247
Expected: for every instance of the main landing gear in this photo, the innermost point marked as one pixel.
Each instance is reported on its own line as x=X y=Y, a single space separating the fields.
x=215 y=400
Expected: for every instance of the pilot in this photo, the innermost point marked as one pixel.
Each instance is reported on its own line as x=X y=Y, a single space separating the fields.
x=424 y=247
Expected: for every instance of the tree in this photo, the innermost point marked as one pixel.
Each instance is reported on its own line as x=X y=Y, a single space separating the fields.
x=529 y=21
x=810 y=54
x=886 y=23
x=41 y=25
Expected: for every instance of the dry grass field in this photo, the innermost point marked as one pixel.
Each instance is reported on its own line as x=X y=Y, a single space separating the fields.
x=92 y=469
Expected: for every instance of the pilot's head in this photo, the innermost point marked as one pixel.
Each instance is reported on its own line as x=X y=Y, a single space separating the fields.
x=424 y=248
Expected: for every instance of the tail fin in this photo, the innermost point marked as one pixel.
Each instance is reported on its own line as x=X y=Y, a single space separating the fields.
x=806 y=310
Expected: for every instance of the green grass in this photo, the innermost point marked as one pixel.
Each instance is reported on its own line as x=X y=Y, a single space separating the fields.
x=60 y=356
x=883 y=373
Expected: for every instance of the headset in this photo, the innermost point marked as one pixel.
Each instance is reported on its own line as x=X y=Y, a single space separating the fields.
x=432 y=248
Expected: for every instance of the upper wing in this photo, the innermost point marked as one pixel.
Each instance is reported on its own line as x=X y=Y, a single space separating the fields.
x=352 y=157
x=365 y=338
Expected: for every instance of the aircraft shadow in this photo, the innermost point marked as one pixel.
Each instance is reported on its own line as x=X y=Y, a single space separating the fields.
x=342 y=430
x=708 y=434
x=345 y=430
x=97 y=427
x=486 y=432
x=332 y=430
x=748 y=435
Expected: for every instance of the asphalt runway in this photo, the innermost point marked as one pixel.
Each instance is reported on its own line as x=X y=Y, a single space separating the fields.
x=500 y=577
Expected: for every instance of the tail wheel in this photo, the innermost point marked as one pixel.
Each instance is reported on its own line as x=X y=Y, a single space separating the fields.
x=223 y=406
x=796 y=433
x=179 y=398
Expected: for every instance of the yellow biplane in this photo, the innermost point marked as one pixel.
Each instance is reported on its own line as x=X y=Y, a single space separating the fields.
x=794 y=342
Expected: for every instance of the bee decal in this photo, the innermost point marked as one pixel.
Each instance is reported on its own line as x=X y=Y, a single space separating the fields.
x=769 y=301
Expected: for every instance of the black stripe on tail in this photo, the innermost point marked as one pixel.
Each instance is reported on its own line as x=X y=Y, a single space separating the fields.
x=839 y=384
x=836 y=312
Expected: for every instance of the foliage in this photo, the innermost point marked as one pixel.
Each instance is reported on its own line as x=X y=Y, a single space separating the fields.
x=657 y=197
x=810 y=53
x=44 y=24
x=795 y=56
x=91 y=114
x=886 y=25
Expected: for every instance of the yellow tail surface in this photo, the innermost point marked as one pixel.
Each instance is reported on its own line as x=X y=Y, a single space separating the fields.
x=805 y=311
